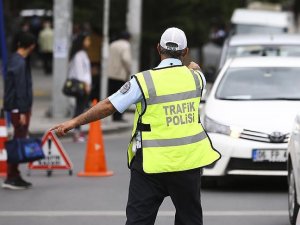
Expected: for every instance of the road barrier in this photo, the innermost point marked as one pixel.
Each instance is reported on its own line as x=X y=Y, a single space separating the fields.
x=56 y=158
x=3 y=139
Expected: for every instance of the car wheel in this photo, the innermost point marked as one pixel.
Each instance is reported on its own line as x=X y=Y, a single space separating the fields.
x=293 y=204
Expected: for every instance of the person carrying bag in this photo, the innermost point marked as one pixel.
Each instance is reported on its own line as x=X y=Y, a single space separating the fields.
x=18 y=100
x=79 y=79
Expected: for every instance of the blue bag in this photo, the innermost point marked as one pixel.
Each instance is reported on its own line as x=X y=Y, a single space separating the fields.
x=21 y=150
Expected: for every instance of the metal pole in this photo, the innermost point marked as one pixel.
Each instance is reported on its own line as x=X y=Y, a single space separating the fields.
x=3 y=41
x=105 y=50
x=134 y=20
x=62 y=38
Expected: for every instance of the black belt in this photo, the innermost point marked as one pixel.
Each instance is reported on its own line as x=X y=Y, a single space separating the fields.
x=143 y=127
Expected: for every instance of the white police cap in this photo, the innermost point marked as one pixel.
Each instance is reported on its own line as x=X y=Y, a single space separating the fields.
x=175 y=37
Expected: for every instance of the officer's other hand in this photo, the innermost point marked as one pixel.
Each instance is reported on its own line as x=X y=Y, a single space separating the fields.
x=194 y=66
x=61 y=129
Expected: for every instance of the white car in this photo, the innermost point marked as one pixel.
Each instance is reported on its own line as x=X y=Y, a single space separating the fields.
x=260 y=45
x=249 y=115
x=294 y=171
x=246 y=21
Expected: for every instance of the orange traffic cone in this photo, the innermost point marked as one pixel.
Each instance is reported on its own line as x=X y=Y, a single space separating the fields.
x=3 y=139
x=95 y=163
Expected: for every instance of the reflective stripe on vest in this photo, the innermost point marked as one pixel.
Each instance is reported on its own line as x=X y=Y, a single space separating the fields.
x=172 y=97
x=176 y=141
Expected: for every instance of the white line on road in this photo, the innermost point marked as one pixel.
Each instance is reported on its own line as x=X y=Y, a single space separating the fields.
x=122 y=213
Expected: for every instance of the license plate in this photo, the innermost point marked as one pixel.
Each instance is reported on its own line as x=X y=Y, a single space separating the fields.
x=269 y=155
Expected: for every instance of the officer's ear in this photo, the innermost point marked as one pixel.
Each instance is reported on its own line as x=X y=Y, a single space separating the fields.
x=158 y=48
x=185 y=52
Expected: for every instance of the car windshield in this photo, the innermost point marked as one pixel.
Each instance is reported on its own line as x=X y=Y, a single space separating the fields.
x=260 y=84
x=256 y=29
x=263 y=50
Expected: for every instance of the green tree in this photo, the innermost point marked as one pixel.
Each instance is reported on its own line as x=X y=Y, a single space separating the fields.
x=195 y=17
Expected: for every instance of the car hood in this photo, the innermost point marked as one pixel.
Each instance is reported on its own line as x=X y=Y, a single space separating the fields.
x=261 y=116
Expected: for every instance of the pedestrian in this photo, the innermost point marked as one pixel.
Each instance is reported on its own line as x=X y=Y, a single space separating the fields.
x=80 y=69
x=119 y=66
x=169 y=146
x=18 y=101
x=45 y=41
x=24 y=27
x=94 y=53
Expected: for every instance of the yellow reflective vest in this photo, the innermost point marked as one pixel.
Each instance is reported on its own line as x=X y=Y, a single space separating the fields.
x=172 y=137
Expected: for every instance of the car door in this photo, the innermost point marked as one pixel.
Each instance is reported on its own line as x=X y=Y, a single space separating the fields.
x=295 y=154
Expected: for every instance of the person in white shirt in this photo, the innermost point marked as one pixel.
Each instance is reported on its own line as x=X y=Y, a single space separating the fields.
x=119 y=66
x=80 y=69
x=46 y=46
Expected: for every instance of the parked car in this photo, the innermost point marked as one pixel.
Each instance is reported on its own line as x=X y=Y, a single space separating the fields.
x=294 y=171
x=249 y=115
x=260 y=45
x=246 y=21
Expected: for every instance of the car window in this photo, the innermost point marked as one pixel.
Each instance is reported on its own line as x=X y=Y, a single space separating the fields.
x=256 y=29
x=260 y=84
x=263 y=50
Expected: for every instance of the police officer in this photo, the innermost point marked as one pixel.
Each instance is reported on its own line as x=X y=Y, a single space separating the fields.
x=169 y=146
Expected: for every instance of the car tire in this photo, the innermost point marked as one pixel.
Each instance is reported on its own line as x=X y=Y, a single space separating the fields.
x=293 y=204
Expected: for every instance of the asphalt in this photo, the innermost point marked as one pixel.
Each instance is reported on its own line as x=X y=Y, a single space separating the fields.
x=40 y=120
x=72 y=200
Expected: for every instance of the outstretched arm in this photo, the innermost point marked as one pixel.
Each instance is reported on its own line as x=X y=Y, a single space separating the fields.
x=97 y=112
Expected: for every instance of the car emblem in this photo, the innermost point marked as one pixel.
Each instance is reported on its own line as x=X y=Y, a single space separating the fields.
x=277 y=137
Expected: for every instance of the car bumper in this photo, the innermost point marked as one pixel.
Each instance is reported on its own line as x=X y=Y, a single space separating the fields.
x=237 y=158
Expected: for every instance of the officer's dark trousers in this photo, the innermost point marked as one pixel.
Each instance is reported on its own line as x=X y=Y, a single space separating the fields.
x=147 y=192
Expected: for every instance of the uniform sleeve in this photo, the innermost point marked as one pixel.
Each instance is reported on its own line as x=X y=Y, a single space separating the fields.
x=129 y=94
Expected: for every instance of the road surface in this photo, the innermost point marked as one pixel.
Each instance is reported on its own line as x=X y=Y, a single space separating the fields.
x=70 y=200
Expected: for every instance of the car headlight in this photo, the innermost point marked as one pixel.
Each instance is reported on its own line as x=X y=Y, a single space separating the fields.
x=213 y=126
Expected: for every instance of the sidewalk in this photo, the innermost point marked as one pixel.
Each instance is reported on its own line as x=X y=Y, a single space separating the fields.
x=40 y=122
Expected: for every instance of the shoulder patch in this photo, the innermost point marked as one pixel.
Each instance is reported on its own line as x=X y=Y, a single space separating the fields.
x=125 y=88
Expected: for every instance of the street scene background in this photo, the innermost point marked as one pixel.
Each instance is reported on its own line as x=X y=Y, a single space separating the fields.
x=64 y=199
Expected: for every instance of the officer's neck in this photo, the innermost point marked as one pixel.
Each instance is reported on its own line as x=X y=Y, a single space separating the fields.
x=163 y=57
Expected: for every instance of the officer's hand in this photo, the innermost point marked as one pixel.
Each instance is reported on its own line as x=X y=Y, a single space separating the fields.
x=194 y=66
x=63 y=128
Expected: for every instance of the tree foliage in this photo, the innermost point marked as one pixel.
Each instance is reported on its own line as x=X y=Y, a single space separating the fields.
x=195 y=17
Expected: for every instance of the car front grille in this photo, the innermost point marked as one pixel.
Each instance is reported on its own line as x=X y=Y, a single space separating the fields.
x=248 y=164
x=263 y=137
